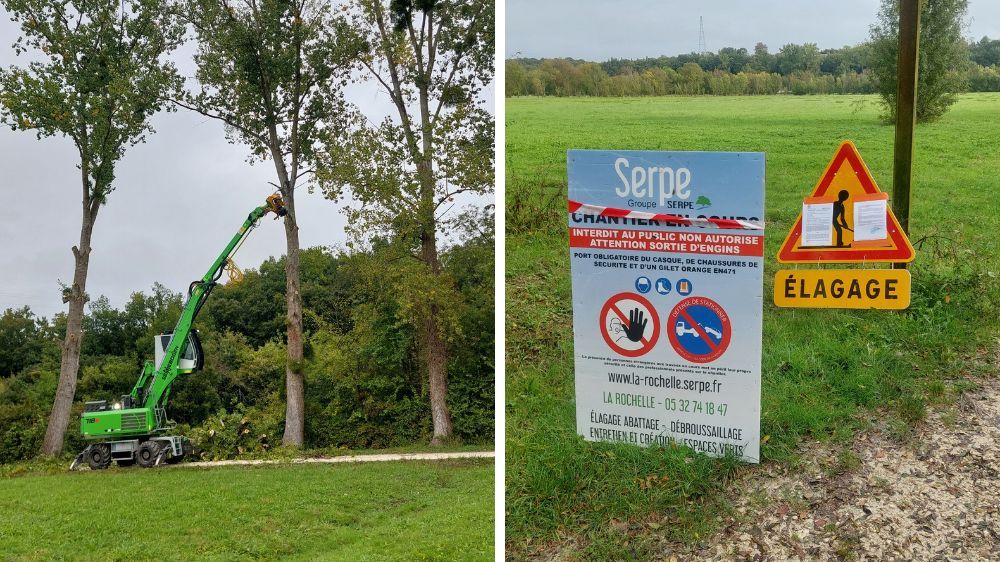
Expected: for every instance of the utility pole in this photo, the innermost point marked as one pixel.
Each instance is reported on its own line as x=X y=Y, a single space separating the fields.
x=906 y=112
x=701 y=35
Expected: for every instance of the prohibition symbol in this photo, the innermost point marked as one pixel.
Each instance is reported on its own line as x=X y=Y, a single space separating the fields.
x=629 y=324
x=699 y=329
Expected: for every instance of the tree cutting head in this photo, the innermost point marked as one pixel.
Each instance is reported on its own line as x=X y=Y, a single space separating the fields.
x=276 y=205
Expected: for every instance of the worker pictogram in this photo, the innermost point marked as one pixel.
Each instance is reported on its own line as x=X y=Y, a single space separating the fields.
x=699 y=329
x=846 y=219
x=629 y=324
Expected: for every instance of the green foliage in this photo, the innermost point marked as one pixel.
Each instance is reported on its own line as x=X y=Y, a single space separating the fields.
x=365 y=389
x=101 y=78
x=326 y=298
x=22 y=338
x=797 y=58
x=406 y=171
x=244 y=431
x=984 y=79
x=650 y=77
x=271 y=71
x=128 y=331
x=986 y=52
x=943 y=56
x=470 y=367
x=24 y=402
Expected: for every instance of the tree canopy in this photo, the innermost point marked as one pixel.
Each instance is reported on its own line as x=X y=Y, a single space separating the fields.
x=943 y=57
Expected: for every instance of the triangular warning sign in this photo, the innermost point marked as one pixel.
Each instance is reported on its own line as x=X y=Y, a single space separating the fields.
x=846 y=172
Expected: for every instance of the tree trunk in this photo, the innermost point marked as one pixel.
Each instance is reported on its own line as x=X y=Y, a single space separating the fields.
x=294 y=381
x=435 y=354
x=436 y=361
x=70 y=366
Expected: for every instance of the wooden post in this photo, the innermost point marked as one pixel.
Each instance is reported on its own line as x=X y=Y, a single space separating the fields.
x=906 y=111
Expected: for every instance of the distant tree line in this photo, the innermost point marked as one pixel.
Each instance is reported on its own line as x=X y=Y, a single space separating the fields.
x=794 y=69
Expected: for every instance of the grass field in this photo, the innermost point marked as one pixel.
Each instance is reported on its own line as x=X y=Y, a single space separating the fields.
x=440 y=510
x=826 y=373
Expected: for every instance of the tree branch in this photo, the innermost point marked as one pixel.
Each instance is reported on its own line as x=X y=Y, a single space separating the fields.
x=225 y=120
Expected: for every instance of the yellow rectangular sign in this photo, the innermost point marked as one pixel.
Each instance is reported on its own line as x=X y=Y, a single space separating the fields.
x=842 y=288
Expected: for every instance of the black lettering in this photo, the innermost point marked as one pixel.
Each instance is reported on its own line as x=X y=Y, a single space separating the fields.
x=837 y=288
x=820 y=289
x=872 y=288
x=890 y=289
x=854 y=290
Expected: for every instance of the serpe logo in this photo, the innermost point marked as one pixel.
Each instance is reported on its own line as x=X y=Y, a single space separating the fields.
x=653 y=182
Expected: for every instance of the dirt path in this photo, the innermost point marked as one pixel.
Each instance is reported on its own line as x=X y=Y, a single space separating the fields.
x=934 y=497
x=348 y=459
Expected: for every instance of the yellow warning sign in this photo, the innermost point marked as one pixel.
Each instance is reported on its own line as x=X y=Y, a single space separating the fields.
x=842 y=288
x=846 y=219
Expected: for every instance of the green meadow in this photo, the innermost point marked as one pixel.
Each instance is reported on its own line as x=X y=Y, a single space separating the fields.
x=827 y=374
x=414 y=510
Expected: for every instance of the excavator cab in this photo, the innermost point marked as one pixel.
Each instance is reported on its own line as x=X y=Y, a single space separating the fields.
x=192 y=358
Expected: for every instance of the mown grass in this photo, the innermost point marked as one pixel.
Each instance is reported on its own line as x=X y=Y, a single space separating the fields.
x=59 y=464
x=826 y=373
x=441 y=510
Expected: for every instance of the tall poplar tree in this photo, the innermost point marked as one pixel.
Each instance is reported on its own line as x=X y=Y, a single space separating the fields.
x=101 y=76
x=433 y=58
x=271 y=71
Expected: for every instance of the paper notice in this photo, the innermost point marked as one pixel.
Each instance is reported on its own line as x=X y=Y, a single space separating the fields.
x=817 y=223
x=869 y=218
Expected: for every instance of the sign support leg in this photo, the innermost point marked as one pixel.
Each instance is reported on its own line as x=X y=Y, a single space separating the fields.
x=906 y=112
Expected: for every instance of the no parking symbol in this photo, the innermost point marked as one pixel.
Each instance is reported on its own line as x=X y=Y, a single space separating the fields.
x=629 y=324
x=699 y=329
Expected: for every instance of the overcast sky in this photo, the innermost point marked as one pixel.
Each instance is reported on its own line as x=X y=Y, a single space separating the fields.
x=598 y=30
x=180 y=197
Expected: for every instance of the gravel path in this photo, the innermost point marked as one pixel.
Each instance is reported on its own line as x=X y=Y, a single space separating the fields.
x=348 y=459
x=935 y=497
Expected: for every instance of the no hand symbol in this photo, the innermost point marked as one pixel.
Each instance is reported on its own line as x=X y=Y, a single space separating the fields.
x=629 y=324
x=699 y=329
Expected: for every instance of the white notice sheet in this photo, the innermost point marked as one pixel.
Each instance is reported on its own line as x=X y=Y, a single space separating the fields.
x=817 y=224
x=869 y=220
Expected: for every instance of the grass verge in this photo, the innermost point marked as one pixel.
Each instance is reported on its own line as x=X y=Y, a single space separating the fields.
x=440 y=510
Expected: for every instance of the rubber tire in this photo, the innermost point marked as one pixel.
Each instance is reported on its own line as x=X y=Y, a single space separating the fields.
x=98 y=456
x=147 y=453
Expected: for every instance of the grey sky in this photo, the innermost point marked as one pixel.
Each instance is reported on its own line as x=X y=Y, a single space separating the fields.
x=180 y=197
x=598 y=30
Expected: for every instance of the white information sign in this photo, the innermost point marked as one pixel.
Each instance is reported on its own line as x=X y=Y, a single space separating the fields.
x=817 y=224
x=870 y=220
x=667 y=266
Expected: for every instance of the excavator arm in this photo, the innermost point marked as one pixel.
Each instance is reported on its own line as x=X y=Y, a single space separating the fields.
x=155 y=387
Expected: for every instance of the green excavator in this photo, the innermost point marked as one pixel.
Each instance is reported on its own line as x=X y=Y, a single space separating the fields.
x=135 y=428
